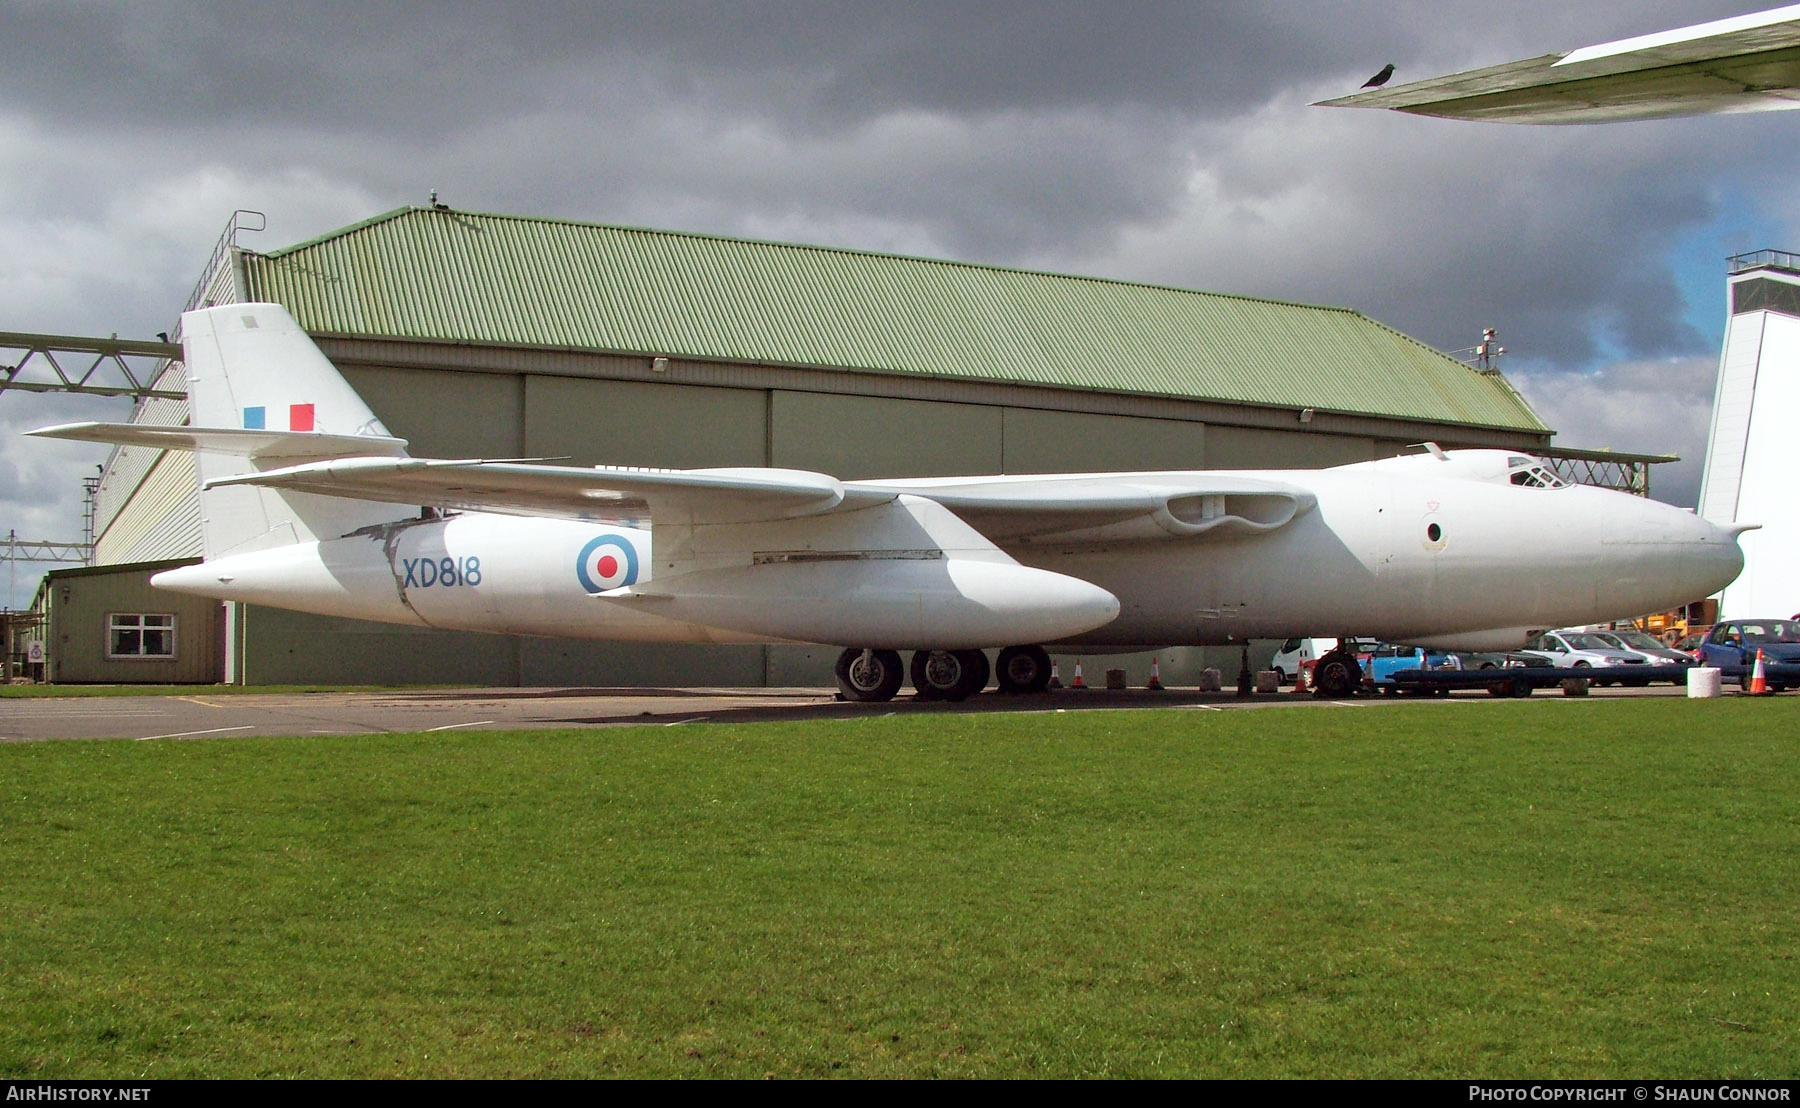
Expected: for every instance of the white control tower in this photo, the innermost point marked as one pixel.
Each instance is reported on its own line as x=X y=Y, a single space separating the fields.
x=1755 y=441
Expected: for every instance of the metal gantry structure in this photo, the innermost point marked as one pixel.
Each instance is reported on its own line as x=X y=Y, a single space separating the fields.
x=96 y=367
x=46 y=550
x=27 y=625
x=1607 y=469
x=16 y=550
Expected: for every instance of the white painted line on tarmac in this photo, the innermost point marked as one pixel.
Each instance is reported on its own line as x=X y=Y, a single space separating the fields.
x=191 y=734
x=454 y=726
x=679 y=722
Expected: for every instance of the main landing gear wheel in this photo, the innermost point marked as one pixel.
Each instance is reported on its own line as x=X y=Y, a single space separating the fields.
x=949 y=674
x=1337 y=674
x=1023 y=669
x=869 y=676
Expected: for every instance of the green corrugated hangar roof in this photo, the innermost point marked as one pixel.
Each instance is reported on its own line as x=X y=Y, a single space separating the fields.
x=434 y=274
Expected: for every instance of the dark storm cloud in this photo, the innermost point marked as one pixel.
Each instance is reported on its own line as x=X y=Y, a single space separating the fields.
x=434 y=68
x=1562 y=236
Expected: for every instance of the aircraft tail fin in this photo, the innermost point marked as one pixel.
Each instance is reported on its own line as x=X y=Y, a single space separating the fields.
x=251 y=369
x=261 y=396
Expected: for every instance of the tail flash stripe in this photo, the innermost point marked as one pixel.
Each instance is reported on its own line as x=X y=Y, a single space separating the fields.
x=254 y=419
x=300 y=417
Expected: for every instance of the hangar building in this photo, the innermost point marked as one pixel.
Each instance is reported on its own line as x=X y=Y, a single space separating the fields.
x=480 y=335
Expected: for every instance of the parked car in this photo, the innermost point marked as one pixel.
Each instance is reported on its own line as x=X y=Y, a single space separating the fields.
x=1735 y=643
x=1649 y=648
x=1388 y=659
x=1582 y=650
x=1528 y=659
x=1690 y=644
x=1511 y=659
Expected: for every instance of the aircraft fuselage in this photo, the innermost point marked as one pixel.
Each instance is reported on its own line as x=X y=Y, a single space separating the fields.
x=1388 y=551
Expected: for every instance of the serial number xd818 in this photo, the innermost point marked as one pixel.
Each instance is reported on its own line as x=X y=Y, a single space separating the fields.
x=423 y=573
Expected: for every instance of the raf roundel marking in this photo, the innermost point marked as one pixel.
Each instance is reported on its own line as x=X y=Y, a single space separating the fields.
x=606 y=562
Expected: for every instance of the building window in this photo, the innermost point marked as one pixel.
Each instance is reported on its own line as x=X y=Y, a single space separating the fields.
x=140 y=636
x=1760 y=294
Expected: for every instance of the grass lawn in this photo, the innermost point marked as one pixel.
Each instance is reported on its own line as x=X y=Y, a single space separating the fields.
x=1481 y=889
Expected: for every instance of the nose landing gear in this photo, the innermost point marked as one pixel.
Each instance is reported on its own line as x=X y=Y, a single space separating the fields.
x=1023 y=669
x=1338 y=673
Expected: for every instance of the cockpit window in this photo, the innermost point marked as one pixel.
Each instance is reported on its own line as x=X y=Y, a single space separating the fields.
x=1531 y=473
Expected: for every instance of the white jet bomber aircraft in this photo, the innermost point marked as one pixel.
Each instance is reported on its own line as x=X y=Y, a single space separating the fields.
x=308 y=503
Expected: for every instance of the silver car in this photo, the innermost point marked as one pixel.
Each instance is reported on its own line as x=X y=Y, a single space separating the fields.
x=1584 y=649
x=1651 y=649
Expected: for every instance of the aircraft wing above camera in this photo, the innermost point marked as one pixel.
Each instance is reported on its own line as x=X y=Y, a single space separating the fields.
x=1746 y=63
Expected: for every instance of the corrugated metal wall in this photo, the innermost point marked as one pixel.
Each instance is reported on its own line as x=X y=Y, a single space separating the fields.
x=129 y=465
x=164 y=521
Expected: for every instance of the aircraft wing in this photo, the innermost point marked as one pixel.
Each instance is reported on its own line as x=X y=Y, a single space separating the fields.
x=1031 y=510
x=251 y=443
x=1743 y=64
x=1112 y=507
x=1051 y=509
x=690 y=495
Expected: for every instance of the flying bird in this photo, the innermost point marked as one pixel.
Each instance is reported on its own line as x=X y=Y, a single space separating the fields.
x=1380 y=78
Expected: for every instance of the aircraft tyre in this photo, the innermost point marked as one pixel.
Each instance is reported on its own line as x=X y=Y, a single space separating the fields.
x=1023 y=669
x=1337 y=674
x=949 y=674
x=872 y=681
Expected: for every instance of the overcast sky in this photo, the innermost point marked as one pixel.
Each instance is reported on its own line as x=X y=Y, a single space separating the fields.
x=1160 y=141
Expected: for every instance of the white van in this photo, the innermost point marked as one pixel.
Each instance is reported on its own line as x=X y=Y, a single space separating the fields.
x=1292 y=652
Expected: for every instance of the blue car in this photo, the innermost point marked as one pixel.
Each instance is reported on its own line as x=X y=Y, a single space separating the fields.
x=1389 y=660
x=1735 y=642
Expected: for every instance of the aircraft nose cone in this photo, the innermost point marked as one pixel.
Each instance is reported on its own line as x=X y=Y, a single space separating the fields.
x=1655 y=556
x=1721 y=559
x=1697 y=553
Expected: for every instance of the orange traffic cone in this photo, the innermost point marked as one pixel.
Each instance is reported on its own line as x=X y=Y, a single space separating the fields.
x=1759 y=678
x=1155 y=684
x=1300 y=678
x=1055 y=675
x=1078 y=683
